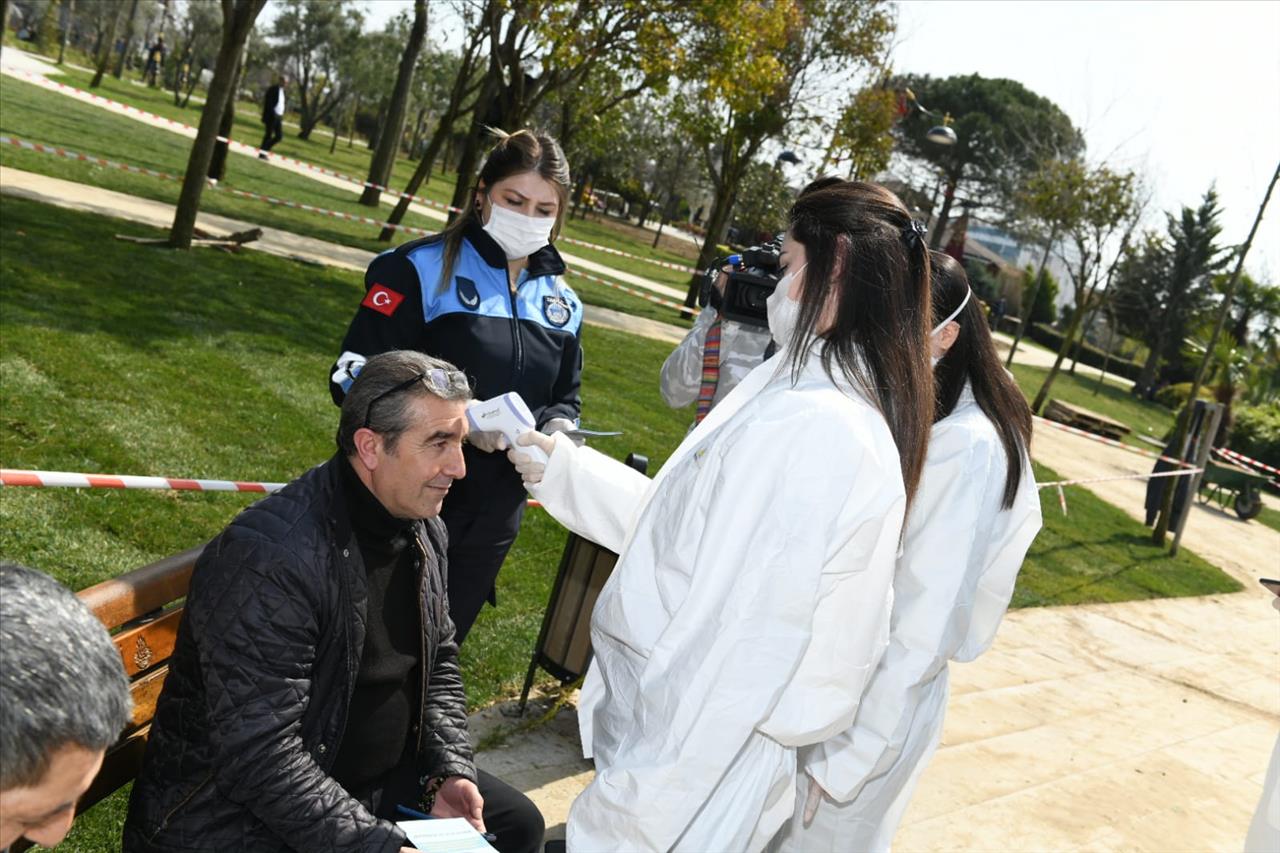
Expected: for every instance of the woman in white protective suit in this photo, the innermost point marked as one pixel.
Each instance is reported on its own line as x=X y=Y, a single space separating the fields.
x=972 y=521
x=751 y=599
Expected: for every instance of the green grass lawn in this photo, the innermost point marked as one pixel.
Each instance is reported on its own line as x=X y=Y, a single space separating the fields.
x=204 y=364
x=1098 y=553
x=354 y=162
x=1112 y=400
x=89 y=129
x=1270 y=517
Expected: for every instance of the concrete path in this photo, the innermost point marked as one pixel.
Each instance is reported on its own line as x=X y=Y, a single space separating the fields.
x=19 y=65
x=1033 y=354
x=285 y=244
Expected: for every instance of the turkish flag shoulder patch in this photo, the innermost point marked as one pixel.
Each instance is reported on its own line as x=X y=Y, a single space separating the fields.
x=382 y=299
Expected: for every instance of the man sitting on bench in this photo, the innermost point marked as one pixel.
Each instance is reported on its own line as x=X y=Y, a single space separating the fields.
x=314 y=690
x=63 y=700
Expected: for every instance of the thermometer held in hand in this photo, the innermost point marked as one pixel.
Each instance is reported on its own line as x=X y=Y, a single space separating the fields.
x=508 y=415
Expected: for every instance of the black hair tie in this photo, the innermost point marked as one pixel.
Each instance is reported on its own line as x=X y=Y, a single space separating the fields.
x=913 y=232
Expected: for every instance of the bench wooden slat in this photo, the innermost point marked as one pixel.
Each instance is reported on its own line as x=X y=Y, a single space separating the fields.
x=125 y=598
x=146 y=692
x=120 y=767
x=148 y=644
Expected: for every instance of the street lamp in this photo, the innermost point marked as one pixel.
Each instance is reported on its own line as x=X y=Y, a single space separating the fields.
x=942 y=134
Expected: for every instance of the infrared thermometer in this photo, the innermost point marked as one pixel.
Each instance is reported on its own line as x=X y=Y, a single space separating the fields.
x=508 y=415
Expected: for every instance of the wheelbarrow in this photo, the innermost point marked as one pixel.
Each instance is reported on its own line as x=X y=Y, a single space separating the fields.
x=1232 y=486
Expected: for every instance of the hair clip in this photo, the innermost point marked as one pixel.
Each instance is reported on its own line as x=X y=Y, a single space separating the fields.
x=913 y=230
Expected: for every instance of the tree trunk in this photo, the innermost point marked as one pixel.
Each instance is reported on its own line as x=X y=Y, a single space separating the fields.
x=419 y=125
x=218 y=163
x=1029 y=312
x=1068 y=337
x=717 y=227
x=384 y=157
x=238 y=17
x=4 y=20
x=935 y=239
x=68 y=14
x=421 y=173
x=104 y=56
x=351 y=123
x=1147 y=376
x=128 y=40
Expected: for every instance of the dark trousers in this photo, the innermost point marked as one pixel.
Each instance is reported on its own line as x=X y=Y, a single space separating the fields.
x=508 y=814
x=478 y=543
x=275 y=131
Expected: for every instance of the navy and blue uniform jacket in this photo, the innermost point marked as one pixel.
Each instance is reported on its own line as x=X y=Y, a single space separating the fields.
x=528 y=342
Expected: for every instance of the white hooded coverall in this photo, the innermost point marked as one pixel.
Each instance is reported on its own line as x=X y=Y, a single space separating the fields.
x=745 y=614
x=961 y=556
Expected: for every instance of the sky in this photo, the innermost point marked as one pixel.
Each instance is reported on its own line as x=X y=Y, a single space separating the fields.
x=1185 y=93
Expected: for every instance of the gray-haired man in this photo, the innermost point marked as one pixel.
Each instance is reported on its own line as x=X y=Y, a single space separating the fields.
x=64 y=698
x=314 y=689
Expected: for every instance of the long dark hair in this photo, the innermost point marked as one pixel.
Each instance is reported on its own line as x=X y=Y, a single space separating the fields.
x=864 y=252
x=514 y=154
x=972 y=359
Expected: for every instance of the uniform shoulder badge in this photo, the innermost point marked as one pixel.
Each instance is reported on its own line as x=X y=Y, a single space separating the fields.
x=557 y=310
x=468 y=295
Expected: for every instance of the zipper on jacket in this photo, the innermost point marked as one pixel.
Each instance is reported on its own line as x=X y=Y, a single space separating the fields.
x=422 y=636
x=517 y=367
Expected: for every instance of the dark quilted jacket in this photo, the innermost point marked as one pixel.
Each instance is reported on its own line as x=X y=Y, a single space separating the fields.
x=256 y=700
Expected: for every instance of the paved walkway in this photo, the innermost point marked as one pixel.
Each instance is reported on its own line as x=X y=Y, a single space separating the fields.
x=19 y=64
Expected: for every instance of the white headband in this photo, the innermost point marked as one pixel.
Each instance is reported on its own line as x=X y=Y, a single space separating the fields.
x=954 y=314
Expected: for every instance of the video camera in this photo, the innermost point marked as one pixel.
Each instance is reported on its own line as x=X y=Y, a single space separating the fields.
x=751 y=281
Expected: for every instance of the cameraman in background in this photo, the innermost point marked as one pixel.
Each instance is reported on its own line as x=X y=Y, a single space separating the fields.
x=731 y=335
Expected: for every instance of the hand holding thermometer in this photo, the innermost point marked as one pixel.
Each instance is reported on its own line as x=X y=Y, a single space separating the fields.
x=508 y=415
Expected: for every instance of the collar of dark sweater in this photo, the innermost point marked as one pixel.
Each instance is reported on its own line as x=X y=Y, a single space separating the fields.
x=370 y=521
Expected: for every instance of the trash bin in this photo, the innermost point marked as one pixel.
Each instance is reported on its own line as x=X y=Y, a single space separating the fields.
x=564 y=643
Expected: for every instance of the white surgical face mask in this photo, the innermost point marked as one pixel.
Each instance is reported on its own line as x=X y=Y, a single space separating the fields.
x=517 y=234
x=934 y=359
x=783 y=311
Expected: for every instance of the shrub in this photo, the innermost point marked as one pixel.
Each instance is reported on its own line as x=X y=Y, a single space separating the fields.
x=1089 y=354
x=1175 y=396
x=1256 y=432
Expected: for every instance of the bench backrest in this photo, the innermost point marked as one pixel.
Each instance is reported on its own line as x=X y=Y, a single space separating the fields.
x=142 y=609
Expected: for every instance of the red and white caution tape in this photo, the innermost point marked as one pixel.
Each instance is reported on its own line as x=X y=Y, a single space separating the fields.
x=1110 y=442
x=657 y=300
x=86 y=158
x=68 y=480
x=611 y=251
x=1062 y=496
x=312 y=167
x=1233 y=456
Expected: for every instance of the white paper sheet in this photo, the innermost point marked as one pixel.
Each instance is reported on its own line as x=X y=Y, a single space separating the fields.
x=445 y=835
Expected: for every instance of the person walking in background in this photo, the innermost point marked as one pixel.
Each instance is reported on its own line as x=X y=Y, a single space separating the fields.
x=273 y=105
x=155 y=61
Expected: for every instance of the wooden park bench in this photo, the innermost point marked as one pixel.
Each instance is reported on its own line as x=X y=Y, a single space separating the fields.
x=142 y=609
x=1081 y=418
